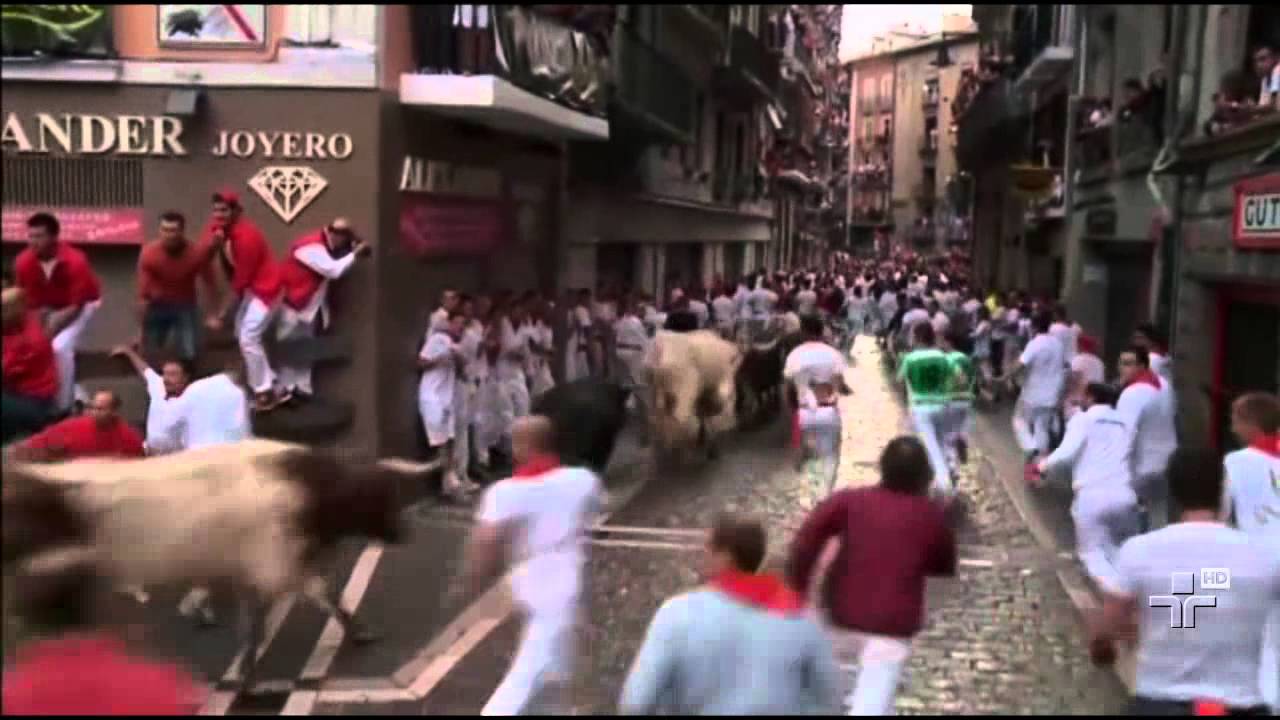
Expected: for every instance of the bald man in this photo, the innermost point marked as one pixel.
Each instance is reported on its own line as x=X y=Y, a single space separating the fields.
x=314 y=259
x=544 y=510
x=100 y=432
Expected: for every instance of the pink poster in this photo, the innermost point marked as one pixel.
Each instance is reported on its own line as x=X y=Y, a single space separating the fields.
x=81 y=225
x=432 y=224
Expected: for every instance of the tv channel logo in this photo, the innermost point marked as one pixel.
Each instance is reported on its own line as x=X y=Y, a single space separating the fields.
x=1183 y=598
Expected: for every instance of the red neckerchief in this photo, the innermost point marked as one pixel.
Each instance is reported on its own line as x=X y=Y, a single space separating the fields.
x=1146 y=377
x=767 y=592
x=1268 y=444
x=536 y=466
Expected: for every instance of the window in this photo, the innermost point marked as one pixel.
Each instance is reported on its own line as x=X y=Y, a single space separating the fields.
x=349 y=26
x=691 y=155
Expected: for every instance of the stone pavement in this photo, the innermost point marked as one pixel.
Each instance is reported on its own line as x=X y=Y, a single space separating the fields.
x=1002 y=637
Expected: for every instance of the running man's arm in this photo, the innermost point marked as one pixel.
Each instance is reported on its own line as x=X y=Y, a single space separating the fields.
x=825 y=522
x=654 y=668
x=1069 y=450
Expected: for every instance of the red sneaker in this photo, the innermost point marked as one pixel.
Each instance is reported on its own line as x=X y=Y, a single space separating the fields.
x=1031 y=474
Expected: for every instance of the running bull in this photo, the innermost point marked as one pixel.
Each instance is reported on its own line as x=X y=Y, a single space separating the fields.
x=263 y=515
x=692 y=378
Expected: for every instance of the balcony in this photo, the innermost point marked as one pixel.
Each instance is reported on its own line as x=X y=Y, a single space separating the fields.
x=929 y=150
x=750 y=73
x=541 y=78
x=711 y=20
x=652 y=96
x=1043 y=54
x=885 y=103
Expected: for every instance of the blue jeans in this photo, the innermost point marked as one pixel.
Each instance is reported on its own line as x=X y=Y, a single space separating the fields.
x=165 y=321
x=22 y=416
x=930 y=423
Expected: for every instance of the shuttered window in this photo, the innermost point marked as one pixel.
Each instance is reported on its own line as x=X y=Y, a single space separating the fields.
x=53 y=182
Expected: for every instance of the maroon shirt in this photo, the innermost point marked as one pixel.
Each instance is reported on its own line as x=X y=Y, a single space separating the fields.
x=890 y=542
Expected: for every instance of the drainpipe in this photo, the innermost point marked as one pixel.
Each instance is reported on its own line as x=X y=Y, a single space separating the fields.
x=1185 y=123
x=1079 y=49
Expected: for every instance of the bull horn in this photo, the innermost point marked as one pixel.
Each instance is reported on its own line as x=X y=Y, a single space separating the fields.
x=61 y=559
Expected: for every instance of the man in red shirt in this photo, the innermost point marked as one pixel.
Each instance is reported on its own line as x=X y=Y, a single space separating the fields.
x=314 y=260
x=58 y=280
x=255 y=289
x=100 y=432
x=892 y=536
x=167 y=272
x=30 y=373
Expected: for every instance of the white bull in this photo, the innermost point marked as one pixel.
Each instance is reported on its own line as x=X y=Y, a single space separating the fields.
x=259 y=513
x=692 y=378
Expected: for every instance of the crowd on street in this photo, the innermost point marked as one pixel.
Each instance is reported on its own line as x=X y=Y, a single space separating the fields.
x=1146 y=509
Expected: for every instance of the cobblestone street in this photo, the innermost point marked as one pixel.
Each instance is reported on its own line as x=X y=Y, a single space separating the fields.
x=1002 y=637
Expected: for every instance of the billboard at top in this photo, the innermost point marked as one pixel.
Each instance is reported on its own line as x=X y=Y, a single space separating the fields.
x=212 y=26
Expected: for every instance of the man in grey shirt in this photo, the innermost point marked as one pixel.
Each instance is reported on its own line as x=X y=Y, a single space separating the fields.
x=1199 y=593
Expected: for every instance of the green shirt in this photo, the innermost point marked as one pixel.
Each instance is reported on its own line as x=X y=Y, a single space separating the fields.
x=928 y=375
x=963 y=376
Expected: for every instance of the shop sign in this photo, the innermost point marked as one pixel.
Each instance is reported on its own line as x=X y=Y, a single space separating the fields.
x=90 y=226
x=1256 y=223
x=434 y=225
x=287 y=189
x=160 y=136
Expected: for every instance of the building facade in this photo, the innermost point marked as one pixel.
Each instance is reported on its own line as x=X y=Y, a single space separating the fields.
x=1165 y=190
x=907 y=182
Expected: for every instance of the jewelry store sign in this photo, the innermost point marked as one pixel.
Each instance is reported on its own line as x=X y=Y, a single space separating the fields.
x=1256 y=223
x=158 y=136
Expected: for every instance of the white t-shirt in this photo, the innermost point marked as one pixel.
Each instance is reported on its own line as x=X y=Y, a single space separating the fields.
x=941 y=323
x=1253 y=492
x=1046 y=371
x=1067 y=336
x=911 y=317
x=810 y=364
x=1096 y=448
x=551 y=513
x=630 y=336
x=211 y=411
x=725 y=310
x=806 y=302
x=160 y=411
x=700 y=311
x=1219 y=657
x=1089 y=367
x=437 y=383
x=1148 y=412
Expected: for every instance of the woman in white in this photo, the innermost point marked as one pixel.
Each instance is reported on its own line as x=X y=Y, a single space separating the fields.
x=577 y=352
x=537 y=337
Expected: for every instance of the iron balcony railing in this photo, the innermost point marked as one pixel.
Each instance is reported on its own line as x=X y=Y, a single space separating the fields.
x=748 y=56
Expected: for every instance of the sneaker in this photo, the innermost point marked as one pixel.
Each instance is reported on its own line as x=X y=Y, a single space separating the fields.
x=1031 y=474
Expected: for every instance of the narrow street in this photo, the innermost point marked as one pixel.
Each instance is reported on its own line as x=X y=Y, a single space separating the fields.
x=1002 y=637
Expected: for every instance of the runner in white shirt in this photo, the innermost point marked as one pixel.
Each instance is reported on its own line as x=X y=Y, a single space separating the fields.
x=1146 y=404
x=699 y=310
x=441 y=361
x=1212 y=658
x=632 y=343
x=211 y=411
x=917 y=314
x=806 y=300
x=1150 y=338
x=813 y=362
x=1253 y=500
x=440 y=318
x=545 y=509
x=163 y=392
x=1064 y=332
x=1095 y=449
x=724 y=310
x=1086 y=368
x=1041 y=393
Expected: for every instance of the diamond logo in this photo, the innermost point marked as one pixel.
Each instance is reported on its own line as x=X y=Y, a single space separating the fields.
x=288 y=189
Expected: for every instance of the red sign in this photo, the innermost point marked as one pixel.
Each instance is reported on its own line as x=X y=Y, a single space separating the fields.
x=81 y=225
x=432 y=224
x=1256 y=222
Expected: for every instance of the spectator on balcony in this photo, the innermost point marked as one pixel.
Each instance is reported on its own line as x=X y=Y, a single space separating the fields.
x=314 y=260
x=167 y=272
x=1267 y=68
x=56 y=279
x=255 y=289
x=30 y=371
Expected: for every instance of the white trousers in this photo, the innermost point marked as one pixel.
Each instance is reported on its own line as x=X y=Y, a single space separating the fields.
x=463 y=416
x=65 y=345
x=543 y=659
x=1103 y=520
x=880 y=663
x=1032 y=427
x=293 y=327
x=252 y=321
x=930 y=423
x=1269 y=671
